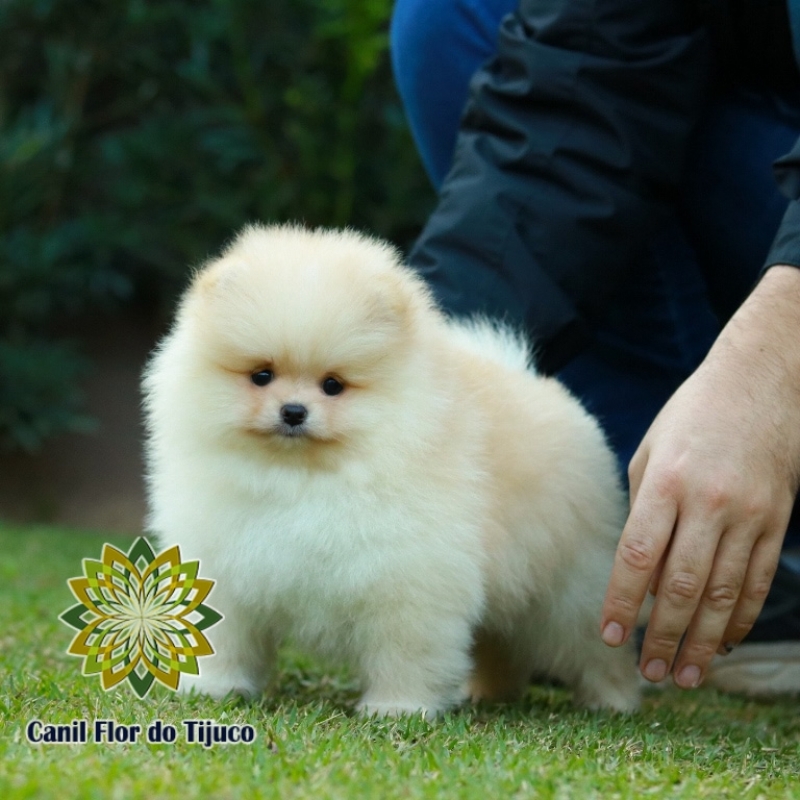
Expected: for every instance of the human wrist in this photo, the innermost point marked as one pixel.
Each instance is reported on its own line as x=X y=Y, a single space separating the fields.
x=766 y=328
x=757 y=358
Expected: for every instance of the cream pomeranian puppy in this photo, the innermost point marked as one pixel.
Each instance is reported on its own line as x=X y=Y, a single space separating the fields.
x=390 y=488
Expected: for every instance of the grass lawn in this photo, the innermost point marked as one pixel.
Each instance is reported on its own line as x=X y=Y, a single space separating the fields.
x=309 y=744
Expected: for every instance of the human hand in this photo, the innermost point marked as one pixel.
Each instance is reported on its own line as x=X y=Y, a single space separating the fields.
x=712 y=487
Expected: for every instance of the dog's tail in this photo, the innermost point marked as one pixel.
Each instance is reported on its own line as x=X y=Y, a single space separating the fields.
x=494 y=340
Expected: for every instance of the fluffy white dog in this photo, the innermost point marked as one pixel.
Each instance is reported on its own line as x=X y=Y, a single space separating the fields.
x=386 y=486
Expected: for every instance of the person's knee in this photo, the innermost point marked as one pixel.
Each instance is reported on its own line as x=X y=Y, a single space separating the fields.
x=419 y=35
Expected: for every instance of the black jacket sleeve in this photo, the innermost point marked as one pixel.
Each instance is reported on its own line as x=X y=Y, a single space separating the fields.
x=569 y=155
x=786 y=247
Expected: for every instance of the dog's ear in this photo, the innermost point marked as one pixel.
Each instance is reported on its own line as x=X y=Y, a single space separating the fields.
x=389 y=302
x=214 y=286
x=218 y=273
x=400 y=298
x=215 y=276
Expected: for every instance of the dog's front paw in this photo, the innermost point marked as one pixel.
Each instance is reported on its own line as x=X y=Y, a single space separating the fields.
x=217 y=686
x=395 y=708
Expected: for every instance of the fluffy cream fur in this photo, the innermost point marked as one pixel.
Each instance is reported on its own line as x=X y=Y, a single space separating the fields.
x=446 y=524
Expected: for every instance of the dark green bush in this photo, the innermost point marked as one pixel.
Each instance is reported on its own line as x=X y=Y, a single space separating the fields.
x=137 y=135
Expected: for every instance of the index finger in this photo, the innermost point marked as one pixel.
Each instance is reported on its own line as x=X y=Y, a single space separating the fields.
x=644 y=540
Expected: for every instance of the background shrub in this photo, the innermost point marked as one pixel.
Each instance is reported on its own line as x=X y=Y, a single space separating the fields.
x=137 y=135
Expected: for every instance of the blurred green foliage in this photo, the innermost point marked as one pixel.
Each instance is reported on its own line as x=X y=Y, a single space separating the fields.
x=137 y=135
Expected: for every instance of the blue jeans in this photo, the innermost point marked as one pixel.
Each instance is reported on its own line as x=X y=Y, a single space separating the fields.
x=701 y=265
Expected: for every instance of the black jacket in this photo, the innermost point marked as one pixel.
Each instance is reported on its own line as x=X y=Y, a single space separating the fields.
x=570 y=154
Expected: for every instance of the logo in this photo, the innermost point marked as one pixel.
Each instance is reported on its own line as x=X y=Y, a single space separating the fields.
x=140 y=617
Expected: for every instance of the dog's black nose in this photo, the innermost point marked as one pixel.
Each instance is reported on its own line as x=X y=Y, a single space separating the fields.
x=294 y=414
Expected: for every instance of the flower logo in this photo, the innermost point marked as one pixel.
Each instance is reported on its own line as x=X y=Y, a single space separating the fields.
x=140 y=617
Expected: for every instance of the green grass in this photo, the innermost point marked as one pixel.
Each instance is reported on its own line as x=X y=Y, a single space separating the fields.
x=310 y=745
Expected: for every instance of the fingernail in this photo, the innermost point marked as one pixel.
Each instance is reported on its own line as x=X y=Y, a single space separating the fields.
x=613 y=634
x=688 y=677
x=655 y=670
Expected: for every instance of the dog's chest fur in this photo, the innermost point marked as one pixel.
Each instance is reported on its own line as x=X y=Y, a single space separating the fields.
x=314 y=556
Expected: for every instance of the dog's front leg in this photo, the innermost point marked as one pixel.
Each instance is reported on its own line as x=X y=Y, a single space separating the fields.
x=413 y=664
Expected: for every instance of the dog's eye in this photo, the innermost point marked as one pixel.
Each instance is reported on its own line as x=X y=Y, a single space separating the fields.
x=263 y=377
x=332 y=387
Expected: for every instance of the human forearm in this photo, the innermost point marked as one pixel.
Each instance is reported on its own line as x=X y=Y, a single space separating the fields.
x=764 y=334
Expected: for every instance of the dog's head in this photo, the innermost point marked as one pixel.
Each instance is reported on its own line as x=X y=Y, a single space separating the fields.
x=298 y=338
